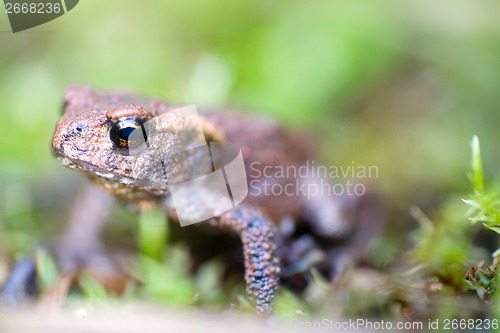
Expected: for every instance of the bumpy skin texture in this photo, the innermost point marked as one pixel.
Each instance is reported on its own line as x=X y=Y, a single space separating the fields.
x=259 y=250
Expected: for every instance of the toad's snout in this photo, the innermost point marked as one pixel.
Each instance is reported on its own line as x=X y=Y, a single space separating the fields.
x=65 y=135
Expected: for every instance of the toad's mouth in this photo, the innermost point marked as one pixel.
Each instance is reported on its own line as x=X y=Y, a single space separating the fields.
x=93 y=171
x=124 y=188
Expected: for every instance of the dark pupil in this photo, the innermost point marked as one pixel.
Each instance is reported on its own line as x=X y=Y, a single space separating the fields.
x=121 y=130
x=124 y=133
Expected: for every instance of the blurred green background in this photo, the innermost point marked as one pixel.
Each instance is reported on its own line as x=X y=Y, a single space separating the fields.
x=402 y=85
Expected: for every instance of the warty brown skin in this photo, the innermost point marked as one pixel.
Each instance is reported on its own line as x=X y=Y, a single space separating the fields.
x=82 y=142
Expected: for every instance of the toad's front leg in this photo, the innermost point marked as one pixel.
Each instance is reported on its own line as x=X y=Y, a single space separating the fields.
x=257 y=234
x=80 y=248
x=259 y=250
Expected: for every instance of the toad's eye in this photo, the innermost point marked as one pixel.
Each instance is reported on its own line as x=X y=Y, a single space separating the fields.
x=128 y=134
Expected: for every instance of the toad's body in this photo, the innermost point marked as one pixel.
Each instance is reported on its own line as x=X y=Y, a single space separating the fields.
x=88 y=138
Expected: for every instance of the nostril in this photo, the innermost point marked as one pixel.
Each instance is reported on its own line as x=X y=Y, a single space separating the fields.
x=79 y=128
